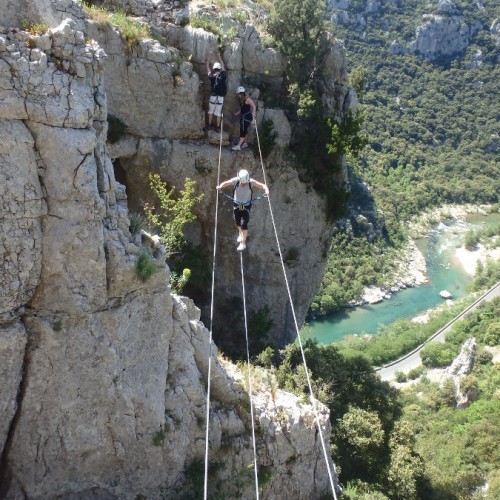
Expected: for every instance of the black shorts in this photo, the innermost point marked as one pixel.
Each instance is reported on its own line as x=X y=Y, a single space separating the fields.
x=244 y=126
x=241 y=217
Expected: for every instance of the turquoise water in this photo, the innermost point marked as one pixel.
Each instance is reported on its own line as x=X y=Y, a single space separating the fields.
x=443 y=274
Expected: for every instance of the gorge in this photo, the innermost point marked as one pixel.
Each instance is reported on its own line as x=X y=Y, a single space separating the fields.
x=104 y=376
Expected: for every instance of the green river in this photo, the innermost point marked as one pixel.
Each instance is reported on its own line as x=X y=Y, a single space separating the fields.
x=443 y=271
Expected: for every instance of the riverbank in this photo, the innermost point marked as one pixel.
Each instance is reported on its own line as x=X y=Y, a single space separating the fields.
x=411 y=271
x=411 y=266
x=469 y=259
x=419 y=226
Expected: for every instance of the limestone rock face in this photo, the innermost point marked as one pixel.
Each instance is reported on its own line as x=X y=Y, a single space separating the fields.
x=462 y=365
x=150 y=88
x=441 y=35
x=301 y=226
x=104 y=376
x=22 y=207
x=163 y=135
x=12 y=346
x=464 y=362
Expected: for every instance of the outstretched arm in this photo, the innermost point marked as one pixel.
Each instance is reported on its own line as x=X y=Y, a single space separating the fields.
x=208 y=62
x=221 y=62
x=261 y=186
x=224 y=184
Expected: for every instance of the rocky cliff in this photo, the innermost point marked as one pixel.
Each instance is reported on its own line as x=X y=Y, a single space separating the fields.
x=161 y=93
x=442 y=32
x=104 y=376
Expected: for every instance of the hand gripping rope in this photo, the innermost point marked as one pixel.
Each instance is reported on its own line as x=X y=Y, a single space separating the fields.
x=242 y=206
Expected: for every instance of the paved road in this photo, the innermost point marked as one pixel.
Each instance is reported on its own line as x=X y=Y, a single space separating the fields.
x=412 y=360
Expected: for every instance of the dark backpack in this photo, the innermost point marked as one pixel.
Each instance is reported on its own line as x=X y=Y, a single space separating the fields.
x=220 y=84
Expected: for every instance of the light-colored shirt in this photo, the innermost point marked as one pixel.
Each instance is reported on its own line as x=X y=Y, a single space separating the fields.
x=242 y=193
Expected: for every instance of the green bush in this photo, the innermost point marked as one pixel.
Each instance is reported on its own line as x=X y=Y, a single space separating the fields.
x=57 y=326
x=179 y=281
x=346 y=137
x=298 y=29
x=416 y=372
x=483 y=357
x=437 y=355
x=137 y=223
x=146 y=266
x=159 y=438
x=267 y=137
x=492 y=336
x=174 y=211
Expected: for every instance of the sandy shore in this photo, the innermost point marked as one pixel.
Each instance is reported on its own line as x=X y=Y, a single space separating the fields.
x=468 y=259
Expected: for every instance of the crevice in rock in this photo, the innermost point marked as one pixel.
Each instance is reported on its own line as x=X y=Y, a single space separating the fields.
x=5 y=471
x=120 y=174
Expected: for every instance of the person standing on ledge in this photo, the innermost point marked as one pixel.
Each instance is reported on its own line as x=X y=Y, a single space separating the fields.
x=242 y=200
x=218 y=84
x=247 y=113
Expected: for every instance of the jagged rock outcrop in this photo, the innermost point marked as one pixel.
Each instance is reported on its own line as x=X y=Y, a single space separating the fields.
x=462 y=365
x=163 y=135
x=103 y=375
x=444 y=33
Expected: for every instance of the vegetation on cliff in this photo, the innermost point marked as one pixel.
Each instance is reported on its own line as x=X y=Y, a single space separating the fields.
x=431 y=128
x=384 y=441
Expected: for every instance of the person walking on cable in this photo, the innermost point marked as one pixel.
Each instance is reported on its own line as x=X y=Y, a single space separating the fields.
x=242 y=200
x=218 y=84
x=247 y=114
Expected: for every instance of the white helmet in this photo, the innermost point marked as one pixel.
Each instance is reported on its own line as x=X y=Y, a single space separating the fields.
x=217 y=66
x=243 y=176
x=241 y=90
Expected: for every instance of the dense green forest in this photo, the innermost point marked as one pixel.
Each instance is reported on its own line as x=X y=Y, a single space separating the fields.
x=432 y=129
x=414 y=443
x=432 y=140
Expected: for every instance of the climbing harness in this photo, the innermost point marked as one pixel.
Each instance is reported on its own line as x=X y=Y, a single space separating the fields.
x=246 y=204
x=313 y=400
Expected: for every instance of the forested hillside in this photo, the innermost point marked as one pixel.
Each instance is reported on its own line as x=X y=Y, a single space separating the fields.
x=431 y=122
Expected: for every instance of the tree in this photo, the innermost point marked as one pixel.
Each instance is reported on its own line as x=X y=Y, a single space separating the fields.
x=297 y=28
x=358 y=444
x=346 y=136
x=173 y=212
x=436 y=354
x=406 y=465
x=360 y=429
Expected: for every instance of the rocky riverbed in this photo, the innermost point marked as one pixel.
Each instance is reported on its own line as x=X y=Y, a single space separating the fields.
x=412 y=269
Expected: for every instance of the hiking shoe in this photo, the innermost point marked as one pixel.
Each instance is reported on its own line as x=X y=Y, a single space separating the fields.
x=236 y=148
x=244 y=145
x=241 y=247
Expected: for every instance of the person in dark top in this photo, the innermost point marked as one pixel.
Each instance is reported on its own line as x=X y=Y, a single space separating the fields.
x=218 y=84
x=247 y=114
x=242 y=187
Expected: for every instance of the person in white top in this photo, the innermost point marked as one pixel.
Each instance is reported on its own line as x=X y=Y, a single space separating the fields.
x=242 y=200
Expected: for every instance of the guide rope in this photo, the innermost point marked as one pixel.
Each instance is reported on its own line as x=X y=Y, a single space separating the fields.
x=313 y=399
x=250 y=390
x=209 y=373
